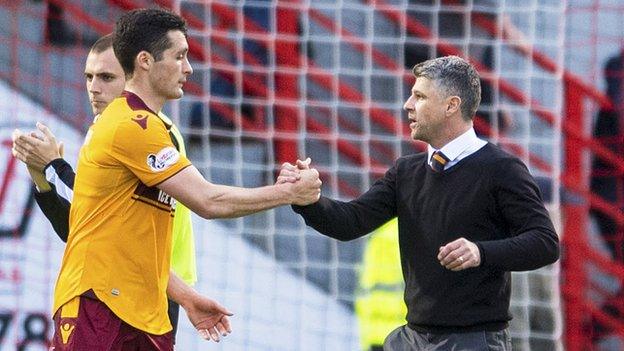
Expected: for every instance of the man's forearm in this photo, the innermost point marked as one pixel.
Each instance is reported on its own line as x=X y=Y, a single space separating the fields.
x=221 y=201
x=39 y=179
x=224 y=201
x=178 y=290
x=56 y=210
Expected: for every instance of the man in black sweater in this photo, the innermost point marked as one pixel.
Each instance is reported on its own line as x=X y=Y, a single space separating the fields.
x=469 y=213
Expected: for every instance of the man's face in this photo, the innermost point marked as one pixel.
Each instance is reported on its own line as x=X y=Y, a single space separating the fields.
x=426 y=110
x=105 y=79
x=170 y=73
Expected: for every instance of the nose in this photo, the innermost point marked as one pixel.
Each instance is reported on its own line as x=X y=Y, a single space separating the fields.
x=187 y=69
x=94 y=86
x=409 y=104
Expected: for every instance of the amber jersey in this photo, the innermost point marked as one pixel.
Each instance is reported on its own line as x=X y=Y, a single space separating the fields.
x=119 y=243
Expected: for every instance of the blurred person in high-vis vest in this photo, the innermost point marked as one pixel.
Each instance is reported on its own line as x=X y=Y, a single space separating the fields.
x=379 y=301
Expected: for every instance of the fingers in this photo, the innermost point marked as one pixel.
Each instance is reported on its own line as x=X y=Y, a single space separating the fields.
x=23 y=151
x=214 y=334
x=454 y=259
x=222 y=329
x=36 y=136
x=20 y=151
x=16 y=133
x=289 y=166
x=225 y=321
x=448 y=249
x=210 y=334
x=46 y=131
x=27 y=140
x=304 y=164
x=458 y=264
x=459 y=254
x=283 y=179
x=288 y=176
x=223 y=310
x=19 y=155
x=204 y=334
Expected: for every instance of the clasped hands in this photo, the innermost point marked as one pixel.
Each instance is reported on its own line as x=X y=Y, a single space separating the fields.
x=303 y=181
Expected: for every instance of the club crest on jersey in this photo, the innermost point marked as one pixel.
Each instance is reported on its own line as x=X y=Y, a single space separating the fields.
x=164 y=159
x=141 y=121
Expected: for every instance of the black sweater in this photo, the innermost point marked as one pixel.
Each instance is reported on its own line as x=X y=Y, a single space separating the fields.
x=488 y=198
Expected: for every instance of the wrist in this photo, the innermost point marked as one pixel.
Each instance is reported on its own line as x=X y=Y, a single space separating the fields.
x=51 y=162
x=39 y=179
x=480 y=253
x=187 y=300
x=286 y=193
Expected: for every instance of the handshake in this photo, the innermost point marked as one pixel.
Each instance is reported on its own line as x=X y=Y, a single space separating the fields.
x=302 y=181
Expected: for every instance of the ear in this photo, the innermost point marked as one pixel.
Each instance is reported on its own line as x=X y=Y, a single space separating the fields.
x=452 y=105
x=144 y=60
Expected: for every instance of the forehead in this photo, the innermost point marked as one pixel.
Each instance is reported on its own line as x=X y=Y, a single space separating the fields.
x=104 y=61
x=423 y=84
x=177 y=40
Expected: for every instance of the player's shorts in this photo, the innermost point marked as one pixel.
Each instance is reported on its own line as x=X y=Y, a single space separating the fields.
x=87 y=324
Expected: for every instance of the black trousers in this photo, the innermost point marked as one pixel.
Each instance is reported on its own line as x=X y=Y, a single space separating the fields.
x=404 y=339
x=173 y=312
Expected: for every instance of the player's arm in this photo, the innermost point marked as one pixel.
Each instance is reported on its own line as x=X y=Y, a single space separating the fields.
x=207 y=316
x=347 y=220
x=41 y=153
x=221 y=201
x=56 y=210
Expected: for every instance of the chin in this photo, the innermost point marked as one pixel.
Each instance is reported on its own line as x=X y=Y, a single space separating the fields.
x=176 y=95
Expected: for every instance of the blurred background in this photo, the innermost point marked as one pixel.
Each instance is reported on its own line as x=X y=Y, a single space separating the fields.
x=278 y=80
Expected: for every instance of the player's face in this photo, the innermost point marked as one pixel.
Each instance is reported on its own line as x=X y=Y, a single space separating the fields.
x=170 y=73
x=426 y=111
x=105 y=79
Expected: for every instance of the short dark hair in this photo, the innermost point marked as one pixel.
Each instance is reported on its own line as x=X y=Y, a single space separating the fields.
x=102 y=44
x=454 y=76
x=144 y=30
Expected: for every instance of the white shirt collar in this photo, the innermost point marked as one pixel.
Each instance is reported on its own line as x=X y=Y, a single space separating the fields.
x=458 y=145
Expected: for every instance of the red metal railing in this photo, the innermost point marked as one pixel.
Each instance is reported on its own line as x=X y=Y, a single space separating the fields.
x=287 y=113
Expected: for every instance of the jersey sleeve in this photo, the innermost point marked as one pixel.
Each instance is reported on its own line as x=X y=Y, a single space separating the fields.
x=143 y=145
x=56 y=210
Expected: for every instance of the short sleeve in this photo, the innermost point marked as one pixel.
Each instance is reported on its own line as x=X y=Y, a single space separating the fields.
x=143 y=145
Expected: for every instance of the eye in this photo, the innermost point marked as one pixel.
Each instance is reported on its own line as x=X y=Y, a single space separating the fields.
x=108 y=77
x=88 y=77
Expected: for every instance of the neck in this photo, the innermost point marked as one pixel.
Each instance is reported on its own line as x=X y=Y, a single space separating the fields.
x=142 y=89
x=451 y=132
